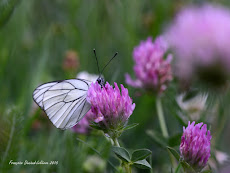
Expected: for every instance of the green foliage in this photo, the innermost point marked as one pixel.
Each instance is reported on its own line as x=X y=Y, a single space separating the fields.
x=6 y=10
x=142 y=164
x=9 y=136
x=178 y=168
x=137 y=159
x=140 y=154
x=174 y=153
x=187 y=168
x=121 y=153
x=130 y=126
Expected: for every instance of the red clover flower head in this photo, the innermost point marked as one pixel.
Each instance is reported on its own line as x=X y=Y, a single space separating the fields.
x=111 y=107
x=199 y=38
x=195 y=145
x=151 y=69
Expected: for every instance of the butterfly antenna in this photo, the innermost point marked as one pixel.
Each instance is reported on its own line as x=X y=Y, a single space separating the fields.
x=97 y=62
x=109 y=61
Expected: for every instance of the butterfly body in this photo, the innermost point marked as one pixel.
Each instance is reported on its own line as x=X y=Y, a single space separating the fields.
x=101 y=81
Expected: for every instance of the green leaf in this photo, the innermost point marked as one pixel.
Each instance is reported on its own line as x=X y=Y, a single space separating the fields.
x=158 y=138
x=187 y=168
x=142 y=164
x=174 y=153
x=178 y=168
x=174 y=140
x=140 y=154
x=130 y=126
x=121 y=153
x=95 y=127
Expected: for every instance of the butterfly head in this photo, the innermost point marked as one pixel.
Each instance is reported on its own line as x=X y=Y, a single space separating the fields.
x=101 y=81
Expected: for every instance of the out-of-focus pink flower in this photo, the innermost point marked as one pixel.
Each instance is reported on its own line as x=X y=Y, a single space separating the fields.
x=199 y=37
x=195 y=145
x=111 y=107
x=71 y=61
x=151 y=70
x=221 y=159
x=83 y=127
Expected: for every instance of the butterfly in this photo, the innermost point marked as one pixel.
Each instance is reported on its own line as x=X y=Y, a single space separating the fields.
x=64 y=101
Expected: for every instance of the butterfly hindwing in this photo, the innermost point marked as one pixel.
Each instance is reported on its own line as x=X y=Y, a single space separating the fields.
x=63 y=101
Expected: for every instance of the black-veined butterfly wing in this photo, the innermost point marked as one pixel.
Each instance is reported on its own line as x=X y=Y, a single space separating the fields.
x=63 y=101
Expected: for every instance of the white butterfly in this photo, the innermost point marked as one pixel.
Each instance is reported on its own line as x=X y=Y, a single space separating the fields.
x=64 y=101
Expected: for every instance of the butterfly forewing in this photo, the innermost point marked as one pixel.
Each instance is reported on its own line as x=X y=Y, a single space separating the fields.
x=38 y=93
x=63 y=101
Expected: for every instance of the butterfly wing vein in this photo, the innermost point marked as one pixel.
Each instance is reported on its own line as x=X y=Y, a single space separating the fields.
x=63 y=101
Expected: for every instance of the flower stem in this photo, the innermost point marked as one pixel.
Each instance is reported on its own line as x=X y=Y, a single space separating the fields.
x=161 y=117
x=126 y=166
x=116 y=143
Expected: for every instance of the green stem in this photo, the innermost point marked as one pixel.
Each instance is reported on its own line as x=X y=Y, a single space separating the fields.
x=161 y=117
x=116 y=143
x=126 y=166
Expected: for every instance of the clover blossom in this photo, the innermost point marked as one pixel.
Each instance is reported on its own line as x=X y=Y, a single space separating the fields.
x=195 y=145
x=152 y=71
x=111 y=107
x=199 y=38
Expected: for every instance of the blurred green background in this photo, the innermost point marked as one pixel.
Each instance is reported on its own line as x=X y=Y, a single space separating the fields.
x=35 y=39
